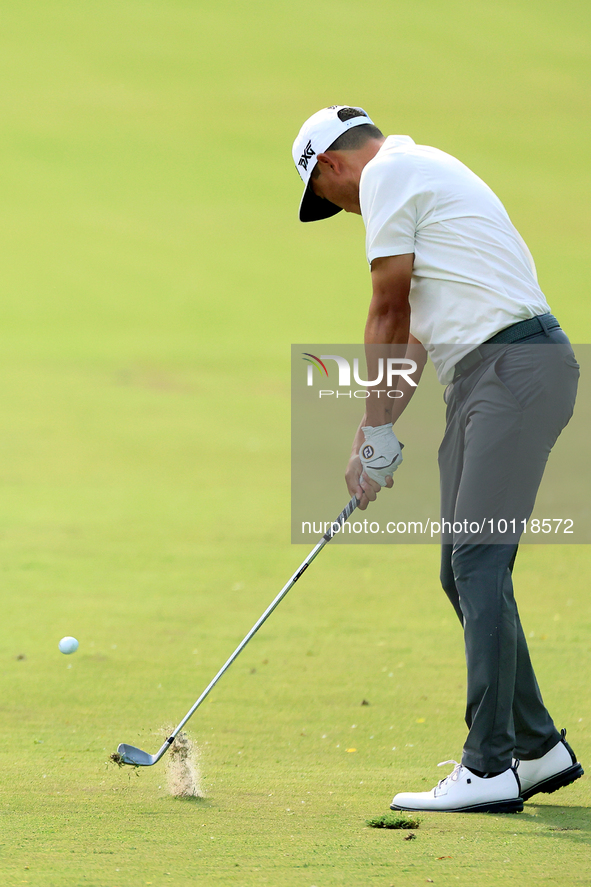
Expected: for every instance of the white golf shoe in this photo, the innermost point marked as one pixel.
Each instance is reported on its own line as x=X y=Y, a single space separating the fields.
x=464 y=792
x=555 y=769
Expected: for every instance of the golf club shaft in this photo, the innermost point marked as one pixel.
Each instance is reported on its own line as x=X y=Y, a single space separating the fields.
x=332 y=530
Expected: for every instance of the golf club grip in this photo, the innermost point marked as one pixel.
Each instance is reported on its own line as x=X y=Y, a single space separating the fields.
x=343 y=516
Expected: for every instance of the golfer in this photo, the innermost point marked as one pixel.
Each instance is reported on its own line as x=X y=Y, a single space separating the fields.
x=452 y=280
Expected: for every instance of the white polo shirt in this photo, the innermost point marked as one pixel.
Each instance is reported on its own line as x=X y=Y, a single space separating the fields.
x=473 y=275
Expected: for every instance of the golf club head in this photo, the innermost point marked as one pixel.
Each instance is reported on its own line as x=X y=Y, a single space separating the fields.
x=135 y=756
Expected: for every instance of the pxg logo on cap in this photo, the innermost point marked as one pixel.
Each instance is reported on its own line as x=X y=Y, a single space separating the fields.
x=309 y=152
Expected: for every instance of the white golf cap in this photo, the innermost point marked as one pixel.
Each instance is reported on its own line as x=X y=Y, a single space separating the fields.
x=316 y=136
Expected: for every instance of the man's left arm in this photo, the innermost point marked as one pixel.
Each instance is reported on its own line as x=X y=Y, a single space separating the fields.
x=388 y=324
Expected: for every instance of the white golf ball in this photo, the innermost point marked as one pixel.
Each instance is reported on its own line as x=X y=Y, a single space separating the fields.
x=68 y=645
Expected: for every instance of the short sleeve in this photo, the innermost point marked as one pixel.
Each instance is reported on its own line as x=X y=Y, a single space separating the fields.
x=390 y=193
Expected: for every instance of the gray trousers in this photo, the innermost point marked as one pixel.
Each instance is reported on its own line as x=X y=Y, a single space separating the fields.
x=503 y=418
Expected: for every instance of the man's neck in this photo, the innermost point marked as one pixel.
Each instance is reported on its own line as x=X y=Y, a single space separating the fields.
x=361 y=159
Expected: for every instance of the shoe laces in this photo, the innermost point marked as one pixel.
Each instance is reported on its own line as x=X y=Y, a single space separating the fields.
x=453 y=776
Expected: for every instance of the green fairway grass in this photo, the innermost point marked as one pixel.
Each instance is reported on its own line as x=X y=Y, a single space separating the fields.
x=154 y=276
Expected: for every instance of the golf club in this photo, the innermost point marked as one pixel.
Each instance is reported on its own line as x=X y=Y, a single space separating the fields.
x=128 y=754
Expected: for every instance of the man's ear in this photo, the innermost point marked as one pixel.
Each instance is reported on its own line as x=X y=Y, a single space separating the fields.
x=329 y=161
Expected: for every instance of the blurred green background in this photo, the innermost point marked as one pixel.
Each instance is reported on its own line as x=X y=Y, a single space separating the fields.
x=154 y=275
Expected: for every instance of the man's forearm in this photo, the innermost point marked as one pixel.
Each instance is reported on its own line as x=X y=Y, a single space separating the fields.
x=385 y=334
x=388 y=327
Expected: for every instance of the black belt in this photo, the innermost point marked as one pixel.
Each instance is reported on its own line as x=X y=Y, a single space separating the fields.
x=543 y=323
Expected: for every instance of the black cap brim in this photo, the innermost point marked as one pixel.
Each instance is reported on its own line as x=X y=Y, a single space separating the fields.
x=314 y=208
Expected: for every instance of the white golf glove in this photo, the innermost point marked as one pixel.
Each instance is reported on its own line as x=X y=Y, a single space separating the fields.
x=381 y=454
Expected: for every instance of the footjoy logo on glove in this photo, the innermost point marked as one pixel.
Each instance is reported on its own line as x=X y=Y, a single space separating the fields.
x=389 y=371
x=367 y=452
